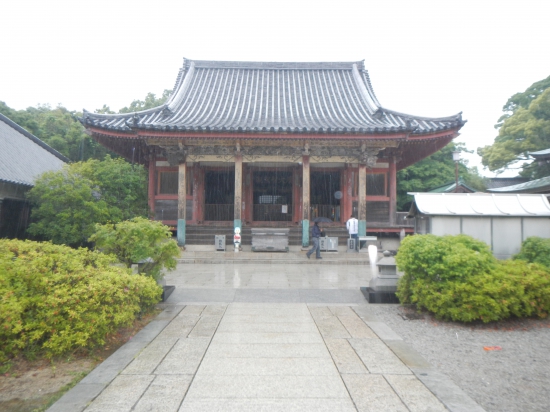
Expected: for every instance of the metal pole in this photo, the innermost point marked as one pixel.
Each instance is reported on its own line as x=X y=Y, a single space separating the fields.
x=456 y=177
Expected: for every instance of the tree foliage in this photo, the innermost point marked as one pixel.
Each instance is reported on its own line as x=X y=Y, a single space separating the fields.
x=524 y=128
x=68 y=203
x=149 y=102
x=138 y=239
x=59 y=128
x=434 y=171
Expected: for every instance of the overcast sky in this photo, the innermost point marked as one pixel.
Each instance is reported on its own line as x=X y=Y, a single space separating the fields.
x=426 y=57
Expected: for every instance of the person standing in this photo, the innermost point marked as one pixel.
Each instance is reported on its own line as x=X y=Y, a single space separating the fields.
x=353 y=228
x=315 y=234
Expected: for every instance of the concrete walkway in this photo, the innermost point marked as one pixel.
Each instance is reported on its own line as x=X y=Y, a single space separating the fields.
x=266 y=338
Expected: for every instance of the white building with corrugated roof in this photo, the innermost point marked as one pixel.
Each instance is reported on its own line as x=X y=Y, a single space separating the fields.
x=503 y=221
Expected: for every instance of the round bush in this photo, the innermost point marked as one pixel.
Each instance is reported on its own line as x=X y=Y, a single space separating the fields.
x=55 y=299
x=476 y=288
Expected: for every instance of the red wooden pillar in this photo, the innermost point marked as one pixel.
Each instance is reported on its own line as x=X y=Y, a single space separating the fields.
x=199 y=193
x=151 y=190
x=296 y=198
x=362 y=200
x=347 y=191
x=393 y=191
x=196 y=172
x=248 y=195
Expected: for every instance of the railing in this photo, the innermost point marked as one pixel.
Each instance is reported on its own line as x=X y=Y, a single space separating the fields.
x=219 y=212
x=403 y=221
x=272 y=213
x=329 y=211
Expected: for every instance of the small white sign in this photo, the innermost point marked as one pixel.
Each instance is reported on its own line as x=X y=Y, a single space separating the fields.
x=284 y=209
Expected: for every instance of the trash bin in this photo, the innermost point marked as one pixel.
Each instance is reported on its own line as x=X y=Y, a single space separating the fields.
x=220 y=242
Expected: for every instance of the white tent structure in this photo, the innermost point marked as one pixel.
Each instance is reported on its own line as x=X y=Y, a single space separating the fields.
x=503 y=221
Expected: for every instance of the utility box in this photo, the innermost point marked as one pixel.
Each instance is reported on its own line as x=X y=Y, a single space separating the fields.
x=328 y=244
x=270 y=239
x=220 y=242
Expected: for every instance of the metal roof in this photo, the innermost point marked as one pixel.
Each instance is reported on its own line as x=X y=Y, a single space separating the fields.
x=480 y=204
x=218 y=96
x=541 y=154
x=534 y=186
x=23 y=157
x=450 y=187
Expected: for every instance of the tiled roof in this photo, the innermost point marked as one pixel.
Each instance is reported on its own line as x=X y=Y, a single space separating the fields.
x=534 y=186
x=23 y=157
x=214 y=96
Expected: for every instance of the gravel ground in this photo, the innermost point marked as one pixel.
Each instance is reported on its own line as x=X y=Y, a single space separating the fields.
x=515 y=378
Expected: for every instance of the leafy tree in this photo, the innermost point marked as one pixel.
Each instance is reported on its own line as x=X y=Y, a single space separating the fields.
x=138 y=239
x=524 y=128
x=433 y=171
x=59 y=128
x=149 y=102
x=68 y=203
x=65 y=208
x=121 y=184
x=523 y=100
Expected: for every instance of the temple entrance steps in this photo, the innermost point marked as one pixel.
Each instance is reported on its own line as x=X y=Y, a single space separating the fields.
x=205 y=234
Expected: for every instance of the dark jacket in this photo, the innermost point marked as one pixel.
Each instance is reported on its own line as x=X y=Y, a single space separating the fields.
x=315 y=231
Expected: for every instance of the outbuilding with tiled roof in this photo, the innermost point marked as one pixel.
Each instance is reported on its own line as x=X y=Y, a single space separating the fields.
x=23 y=157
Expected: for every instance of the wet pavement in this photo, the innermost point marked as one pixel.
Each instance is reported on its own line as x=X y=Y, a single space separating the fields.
x=264 y=337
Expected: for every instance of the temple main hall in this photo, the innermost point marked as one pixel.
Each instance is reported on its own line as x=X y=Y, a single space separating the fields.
x=259 y=144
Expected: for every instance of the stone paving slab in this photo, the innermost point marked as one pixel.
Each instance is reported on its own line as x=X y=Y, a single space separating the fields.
x=184 y=358
x=345 y=357
x=122 y=394
x=372 y=393
x=262 y=386
x=146 y=362
x=317 y=366
x=269 y=350
x=268 y=404
x=165 y=394
x=377 y=357
x=250 y=356
x=267 y=337
x=414 y=394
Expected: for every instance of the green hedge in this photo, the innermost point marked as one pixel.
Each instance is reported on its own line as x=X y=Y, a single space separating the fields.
x=457 y=278
x=55 y=299
x=535 y=250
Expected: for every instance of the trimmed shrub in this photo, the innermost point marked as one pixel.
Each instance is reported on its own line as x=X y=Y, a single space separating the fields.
x=535 y=250
x=440 y=259
x=138 y=239
x=55 y=299
x=487 y=290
